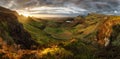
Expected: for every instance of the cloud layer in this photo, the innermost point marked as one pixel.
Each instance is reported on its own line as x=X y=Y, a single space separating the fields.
x=64 y=6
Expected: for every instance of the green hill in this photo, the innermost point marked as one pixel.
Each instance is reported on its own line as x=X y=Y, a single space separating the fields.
x=95 y=36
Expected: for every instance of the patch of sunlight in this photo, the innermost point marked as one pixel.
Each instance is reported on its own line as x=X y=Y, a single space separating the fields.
x=54 y=51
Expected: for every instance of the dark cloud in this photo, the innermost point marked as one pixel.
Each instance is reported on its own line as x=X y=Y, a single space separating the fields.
x=99 y=6
x=80 y=3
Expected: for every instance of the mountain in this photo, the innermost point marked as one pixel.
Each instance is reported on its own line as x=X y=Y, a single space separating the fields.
x=94 y=36
x=12 y=31
x=2 y=9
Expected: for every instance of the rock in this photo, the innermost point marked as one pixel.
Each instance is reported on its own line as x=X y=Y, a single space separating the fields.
x=12 y=31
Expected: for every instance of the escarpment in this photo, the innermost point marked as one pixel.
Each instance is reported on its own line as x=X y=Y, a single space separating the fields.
x=12 y=31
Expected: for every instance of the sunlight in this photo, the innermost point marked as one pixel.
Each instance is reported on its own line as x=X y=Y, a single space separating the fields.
x=24 y=13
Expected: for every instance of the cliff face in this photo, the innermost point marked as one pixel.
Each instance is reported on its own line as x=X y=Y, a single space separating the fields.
x=12 y=31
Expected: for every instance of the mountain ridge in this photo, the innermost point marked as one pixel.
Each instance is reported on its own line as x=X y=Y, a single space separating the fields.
x=11 y=28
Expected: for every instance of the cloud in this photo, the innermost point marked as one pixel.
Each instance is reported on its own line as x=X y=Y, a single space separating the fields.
x=64 y=6
x=53 y=10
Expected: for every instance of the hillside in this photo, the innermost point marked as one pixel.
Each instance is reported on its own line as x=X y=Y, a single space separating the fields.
x=12 y=31
x=95 y=36
x=94 y=31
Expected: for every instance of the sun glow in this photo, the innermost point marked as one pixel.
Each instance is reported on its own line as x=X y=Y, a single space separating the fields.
x=45 y=11
x=24 y=13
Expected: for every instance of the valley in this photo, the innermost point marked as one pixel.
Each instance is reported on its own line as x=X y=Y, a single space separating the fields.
x=95 y=36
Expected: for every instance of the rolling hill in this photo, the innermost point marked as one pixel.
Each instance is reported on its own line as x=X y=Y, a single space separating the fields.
x=95 y=36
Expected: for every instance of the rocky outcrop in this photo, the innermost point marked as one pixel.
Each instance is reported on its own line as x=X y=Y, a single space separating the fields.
x=12 y=31
x=112 y=50
x=105 y=29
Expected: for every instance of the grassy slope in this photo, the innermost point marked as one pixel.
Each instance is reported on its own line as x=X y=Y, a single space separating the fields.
x=62 y=35
x=77 y=40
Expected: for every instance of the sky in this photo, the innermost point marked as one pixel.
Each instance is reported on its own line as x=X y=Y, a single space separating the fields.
x=63 y=7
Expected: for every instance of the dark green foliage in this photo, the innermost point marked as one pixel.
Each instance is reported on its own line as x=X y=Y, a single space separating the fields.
x=80 y=50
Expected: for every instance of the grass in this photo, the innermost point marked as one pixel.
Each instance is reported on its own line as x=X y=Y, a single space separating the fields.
x=37 y=34
x=70 y=50
x=60 y=48
x=62 y=42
